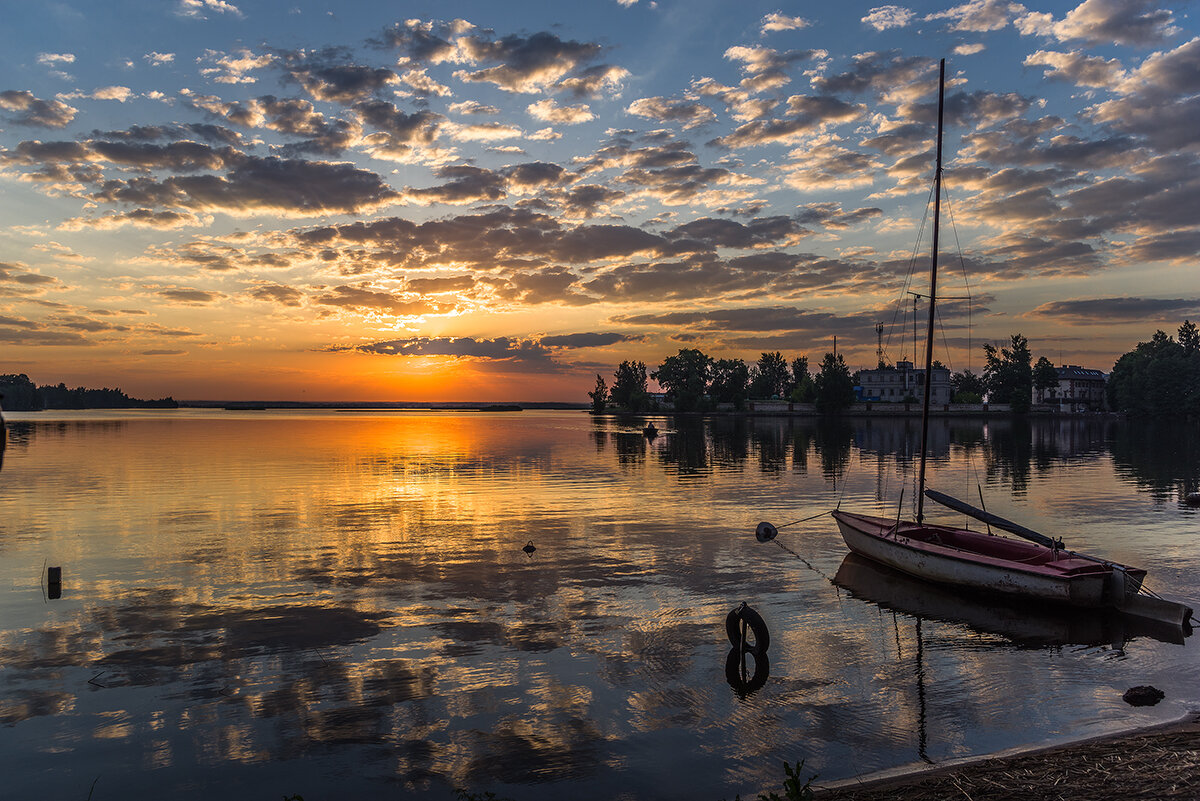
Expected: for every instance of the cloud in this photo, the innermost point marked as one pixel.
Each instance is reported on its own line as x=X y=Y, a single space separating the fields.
x=687 y=112
x=118 y=93
x=501 y=352
x=879 y=73
x=585 y=340
x=17 y=331
x=471 y=107
x=163 y=352
x=432 y=42
x=33 y=111
x=419 y=81
x=464 y=184
x=541 y=62
x=232 y=68
x=326 y=79
x=1127 y=22
x=190 y=297
x=887 y=17
x=1077 y=68
x=278 y=293
x=549 y=111
x=366 y=300
x=980 y=15
x=766 y=68
x=806 y=115
x=776 y=21
x=157 y=59
x=17 y=280
x=54 y=59
x=1092 y=310
x=138 y=218
x=197 y=9
x=258 y=186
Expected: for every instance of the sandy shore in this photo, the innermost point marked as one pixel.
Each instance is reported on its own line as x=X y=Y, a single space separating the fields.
x=1157 y=763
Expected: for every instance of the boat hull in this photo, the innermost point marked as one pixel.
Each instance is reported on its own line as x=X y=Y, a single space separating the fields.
x=980 y=562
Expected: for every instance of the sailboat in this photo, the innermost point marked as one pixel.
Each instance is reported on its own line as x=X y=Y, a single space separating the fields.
x=1039 y=568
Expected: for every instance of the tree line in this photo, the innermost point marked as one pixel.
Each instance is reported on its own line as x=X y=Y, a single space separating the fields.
x=20 y=394
x=1157 y=378
x=692 y=381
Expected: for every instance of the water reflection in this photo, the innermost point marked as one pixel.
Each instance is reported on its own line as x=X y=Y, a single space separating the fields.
x=332 y=604
x=1024 y=625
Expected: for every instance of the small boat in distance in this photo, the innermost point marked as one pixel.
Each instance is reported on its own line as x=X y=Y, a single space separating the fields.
x=1041 y=569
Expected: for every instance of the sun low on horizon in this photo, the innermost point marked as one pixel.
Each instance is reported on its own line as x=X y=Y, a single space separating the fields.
x=463 y=200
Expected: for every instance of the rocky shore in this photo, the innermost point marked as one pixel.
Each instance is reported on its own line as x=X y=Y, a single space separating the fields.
x=1158 y=763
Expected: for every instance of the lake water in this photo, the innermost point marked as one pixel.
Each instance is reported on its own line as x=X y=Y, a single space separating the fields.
x=334 y=604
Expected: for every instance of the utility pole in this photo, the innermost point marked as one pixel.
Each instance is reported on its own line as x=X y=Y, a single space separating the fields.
x=879 y=344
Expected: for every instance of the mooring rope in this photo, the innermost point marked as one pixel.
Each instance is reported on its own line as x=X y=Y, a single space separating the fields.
x=807 y=563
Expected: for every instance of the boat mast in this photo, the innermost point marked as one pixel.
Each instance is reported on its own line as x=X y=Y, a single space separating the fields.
x=933 y=264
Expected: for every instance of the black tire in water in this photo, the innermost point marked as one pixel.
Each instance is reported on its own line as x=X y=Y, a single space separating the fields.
x=754 y=623
x=740 y=679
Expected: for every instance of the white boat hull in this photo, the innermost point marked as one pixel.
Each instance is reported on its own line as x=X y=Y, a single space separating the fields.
x=955 y=567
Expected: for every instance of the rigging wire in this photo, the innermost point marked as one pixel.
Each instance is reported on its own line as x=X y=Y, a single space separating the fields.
x=963 y=265
x=912 y=266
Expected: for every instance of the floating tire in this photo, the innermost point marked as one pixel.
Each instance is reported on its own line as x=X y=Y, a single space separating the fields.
x=747 y=631
x=765 y=532
x=740 y=678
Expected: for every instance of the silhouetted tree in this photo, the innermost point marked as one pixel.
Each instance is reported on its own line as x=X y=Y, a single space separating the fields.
x=1157 y=378
x=834 y=386
x=730 y=382
x=803 y=389
x=599 y=395
x=1044 y=377
x=684 y=377
x=20 y=394
x=770 y=377
x=1189 y=338
x=968 y=387
x=629 y=386
x=1009 y=374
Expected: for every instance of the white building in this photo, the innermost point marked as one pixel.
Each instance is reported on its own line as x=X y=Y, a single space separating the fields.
x=896 y=384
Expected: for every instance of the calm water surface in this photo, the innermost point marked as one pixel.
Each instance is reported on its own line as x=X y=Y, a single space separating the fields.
x=338 y=605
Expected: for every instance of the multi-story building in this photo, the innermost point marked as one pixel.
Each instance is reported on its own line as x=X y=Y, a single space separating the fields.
x=1079 y=389
x=904 y=382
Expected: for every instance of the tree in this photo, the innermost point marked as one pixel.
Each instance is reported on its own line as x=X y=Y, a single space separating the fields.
x=1157 y=378
x=968 y=387
x=834 y=386
x=1189 y=338
x=1044 y=377
x=803 y=388
x=1009 y=375
x=771 y=377
x=730 y=382
x=599 y=395
x=629 y=386
x=684 y=377
x=20 y=394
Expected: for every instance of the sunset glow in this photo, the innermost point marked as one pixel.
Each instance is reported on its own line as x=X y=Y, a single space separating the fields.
x=250 y=200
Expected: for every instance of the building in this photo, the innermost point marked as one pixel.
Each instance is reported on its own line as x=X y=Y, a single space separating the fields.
x=1079 y=389
x=903 y=382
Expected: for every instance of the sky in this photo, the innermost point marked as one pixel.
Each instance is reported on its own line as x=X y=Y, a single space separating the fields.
x=478 y=200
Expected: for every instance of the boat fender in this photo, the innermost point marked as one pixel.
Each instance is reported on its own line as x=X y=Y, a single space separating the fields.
x=736 y=625
x=765 y=532
x=741 y=680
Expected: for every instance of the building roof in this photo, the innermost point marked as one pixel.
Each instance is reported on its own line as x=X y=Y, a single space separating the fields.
x=1074 y=371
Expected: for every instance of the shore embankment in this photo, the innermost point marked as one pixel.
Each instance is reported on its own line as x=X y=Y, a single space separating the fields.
x=1162 y=762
